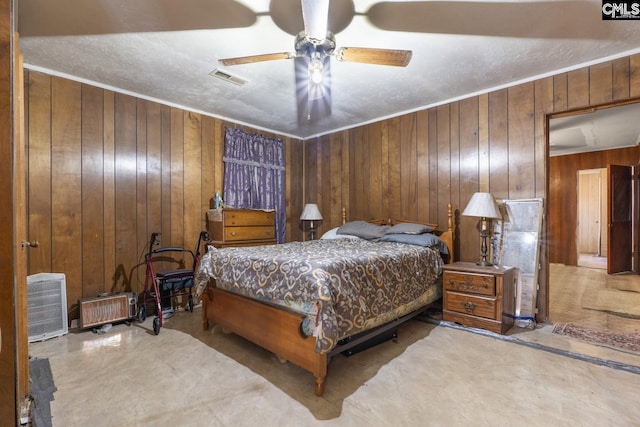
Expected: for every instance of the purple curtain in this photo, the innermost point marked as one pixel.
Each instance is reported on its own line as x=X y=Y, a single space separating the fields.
x=254 y=174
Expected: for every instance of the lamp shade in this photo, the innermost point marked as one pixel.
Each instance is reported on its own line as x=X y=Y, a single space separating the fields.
x=482 y=205
x=311 y=213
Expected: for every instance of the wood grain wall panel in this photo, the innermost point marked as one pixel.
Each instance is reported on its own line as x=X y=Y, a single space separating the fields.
x=345 y=178
x=177 y=174
x=634 y=76
x=454 y=196
x=444 y=166
x=325 y=180
x=209 y=163
x=219 y=154
x=376 y=190
x=311 y=190
x=38 y=92
x=543 y=94
x=422 y=160
x=483 y=141
x=394 y=182
x=92 y=184
x=601 y=83
x=66 y=190
x=543 y=104
x=432 y=147
x=498 y=167
x=194 y=221
x=621 y=88
x=153 y=174
x=294 y=183
x=165 y=215
x=469 y=177
x=125 y=188
x=578 y=88
x=382 y=132
x=521 y=141
x=358 y=157
x=409 y=167
x=334 y=197
x=560 y=94
x=109 y=188
x=142 y=216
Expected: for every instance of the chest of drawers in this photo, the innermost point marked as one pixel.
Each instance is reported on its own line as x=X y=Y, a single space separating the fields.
x=480 y=297
x=241 y=227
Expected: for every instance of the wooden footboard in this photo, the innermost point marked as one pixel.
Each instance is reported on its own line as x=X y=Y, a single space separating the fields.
x=272 y=328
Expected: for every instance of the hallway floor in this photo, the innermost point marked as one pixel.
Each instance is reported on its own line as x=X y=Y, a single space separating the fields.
x=592 y=298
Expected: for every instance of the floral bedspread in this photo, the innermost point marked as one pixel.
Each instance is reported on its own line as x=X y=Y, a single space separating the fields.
x=343 y=286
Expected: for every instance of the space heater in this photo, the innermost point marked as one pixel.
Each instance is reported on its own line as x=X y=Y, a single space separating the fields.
x=46 y=306
x=107 y=308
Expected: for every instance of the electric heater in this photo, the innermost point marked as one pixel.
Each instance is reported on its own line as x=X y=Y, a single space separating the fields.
x=46 y=306
x=107 y=309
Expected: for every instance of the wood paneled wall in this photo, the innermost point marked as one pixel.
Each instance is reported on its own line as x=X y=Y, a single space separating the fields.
x=106 y=170
x=411 y=166
x=563 y=201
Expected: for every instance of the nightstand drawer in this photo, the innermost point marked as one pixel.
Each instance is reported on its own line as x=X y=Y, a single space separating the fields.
x=472 y=305
x=249 y=233
x=482 y=284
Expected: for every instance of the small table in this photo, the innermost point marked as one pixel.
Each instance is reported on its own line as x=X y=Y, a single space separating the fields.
x=479 y=296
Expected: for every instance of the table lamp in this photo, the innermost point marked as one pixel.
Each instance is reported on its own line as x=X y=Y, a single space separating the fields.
x=311 y=213
x=483 y=206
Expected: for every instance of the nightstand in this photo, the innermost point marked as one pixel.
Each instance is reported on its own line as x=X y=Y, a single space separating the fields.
x=479 y=297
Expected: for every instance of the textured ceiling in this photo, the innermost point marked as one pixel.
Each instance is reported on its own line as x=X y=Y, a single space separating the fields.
x=165 y=50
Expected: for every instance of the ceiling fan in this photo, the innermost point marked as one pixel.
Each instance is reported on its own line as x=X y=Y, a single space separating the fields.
x=314 y=45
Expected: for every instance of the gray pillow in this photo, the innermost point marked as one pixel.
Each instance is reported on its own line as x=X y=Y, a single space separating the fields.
x=409 y=228
x=363 y=229
x=425 y=239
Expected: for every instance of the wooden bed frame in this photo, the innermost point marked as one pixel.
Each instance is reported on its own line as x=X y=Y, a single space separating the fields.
x=279 y=330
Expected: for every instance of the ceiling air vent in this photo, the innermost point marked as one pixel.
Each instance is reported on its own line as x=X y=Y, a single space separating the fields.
x=227 y=77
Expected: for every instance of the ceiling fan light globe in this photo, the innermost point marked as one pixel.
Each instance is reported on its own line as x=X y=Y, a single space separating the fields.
x=315 y=71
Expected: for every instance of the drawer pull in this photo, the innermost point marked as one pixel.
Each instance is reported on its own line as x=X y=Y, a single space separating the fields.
x=268 y=233
x=469 y=306
x=233 y=233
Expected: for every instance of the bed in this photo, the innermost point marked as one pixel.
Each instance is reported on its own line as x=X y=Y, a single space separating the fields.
x=308 y=301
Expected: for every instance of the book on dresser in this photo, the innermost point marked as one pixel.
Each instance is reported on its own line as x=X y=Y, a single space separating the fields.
x=241 y=227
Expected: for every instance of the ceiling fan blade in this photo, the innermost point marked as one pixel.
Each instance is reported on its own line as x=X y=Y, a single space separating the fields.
x=528 y=19
x=393 y=57
x=315 y=14
x=256 y=58
x=88 y=17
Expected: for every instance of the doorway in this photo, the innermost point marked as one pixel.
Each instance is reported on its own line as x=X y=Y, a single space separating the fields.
x=592 y=218
x=580 y=289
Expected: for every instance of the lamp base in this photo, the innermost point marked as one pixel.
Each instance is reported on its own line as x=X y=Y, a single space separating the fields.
x=484 y=233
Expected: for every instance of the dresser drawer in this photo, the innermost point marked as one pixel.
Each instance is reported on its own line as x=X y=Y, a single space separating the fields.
x=265 y=232
x=472 y=305
x=241 y=218
x=481 y=284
